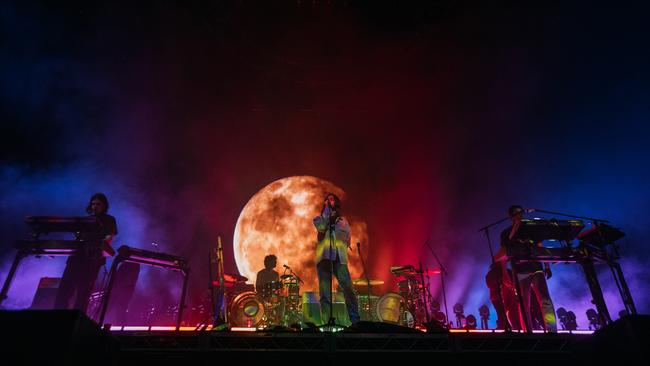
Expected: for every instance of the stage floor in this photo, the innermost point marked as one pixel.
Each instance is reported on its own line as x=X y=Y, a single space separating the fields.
x=69 y=337
x=333 y=348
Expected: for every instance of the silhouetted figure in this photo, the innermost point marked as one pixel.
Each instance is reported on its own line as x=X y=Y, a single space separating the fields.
x=531 y=275
x=82 y=268
x=267 y=277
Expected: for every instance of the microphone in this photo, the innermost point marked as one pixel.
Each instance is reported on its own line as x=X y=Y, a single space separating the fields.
x=285 y=266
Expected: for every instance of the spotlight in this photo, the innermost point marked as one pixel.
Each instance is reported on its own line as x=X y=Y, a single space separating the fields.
x=594 y=319
x=561 y=314
x=459 y=311
x=440 y=317
x=572 y=324
x=567 y=319
x=470 y=322
x=484 y=312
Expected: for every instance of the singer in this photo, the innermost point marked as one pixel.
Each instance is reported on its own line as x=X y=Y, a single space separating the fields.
x=332 y=245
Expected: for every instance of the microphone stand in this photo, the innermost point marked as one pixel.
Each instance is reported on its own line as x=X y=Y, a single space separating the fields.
x=363 y=265
x=292 y=302
x=203 y=325
x=221 y=315
x=331 y=225
x=486 y=229
x=443 y=273
x=424 y=295
x=291 y=272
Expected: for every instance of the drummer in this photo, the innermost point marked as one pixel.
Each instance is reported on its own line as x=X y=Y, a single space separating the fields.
x=268 y=274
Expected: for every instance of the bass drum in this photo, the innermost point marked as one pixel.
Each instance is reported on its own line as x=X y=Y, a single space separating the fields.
x=391 y=309
x=246 y=310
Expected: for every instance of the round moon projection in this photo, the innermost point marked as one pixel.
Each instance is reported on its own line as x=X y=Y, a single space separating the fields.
x=278 y=220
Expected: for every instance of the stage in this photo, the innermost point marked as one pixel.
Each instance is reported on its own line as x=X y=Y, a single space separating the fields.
x=63 y=337
x=276 y=164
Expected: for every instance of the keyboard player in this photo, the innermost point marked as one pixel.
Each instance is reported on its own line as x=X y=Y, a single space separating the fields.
x=532 y=276
x=82 y=268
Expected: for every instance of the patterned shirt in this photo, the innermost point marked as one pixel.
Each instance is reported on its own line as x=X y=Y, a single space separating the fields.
x=341 y=238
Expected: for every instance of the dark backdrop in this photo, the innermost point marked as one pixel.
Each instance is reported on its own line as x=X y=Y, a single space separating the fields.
x=434 y=117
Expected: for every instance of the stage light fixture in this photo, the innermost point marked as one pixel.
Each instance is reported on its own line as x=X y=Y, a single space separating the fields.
x=470 y=322
x=567 y=319
x=594 y=319
x=484 y=312
x=460 y=316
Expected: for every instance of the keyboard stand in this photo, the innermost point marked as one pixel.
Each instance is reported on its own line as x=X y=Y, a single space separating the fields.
x=155 y=259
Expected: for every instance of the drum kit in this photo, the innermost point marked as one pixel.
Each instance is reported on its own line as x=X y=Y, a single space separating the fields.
x=406 y=307
x=280 y=303
x=412 y=304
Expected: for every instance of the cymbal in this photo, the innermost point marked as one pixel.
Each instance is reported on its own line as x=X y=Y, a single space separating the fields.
x=363 y=282
x=430 y=272
x=231 y=277
x=284 y=277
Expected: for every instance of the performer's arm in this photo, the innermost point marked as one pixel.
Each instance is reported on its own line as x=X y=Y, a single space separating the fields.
x=500 y=259
x=513 y=231
x=321 y=221
x=500 y=255
x=113 y=232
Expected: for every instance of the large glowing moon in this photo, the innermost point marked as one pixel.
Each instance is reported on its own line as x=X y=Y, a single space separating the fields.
x=278 y=220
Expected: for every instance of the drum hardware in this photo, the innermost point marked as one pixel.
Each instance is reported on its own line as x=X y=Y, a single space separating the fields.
x=271 y=291
x=414 y=292
x=367 y=307
x=367 y=282
x=292 y=313
x=442 y=272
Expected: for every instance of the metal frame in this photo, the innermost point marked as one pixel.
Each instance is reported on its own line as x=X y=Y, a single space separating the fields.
x=124 y=256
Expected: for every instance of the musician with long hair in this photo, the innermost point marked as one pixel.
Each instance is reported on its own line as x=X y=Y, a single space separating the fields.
x=332 y=257
x=82 y=268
